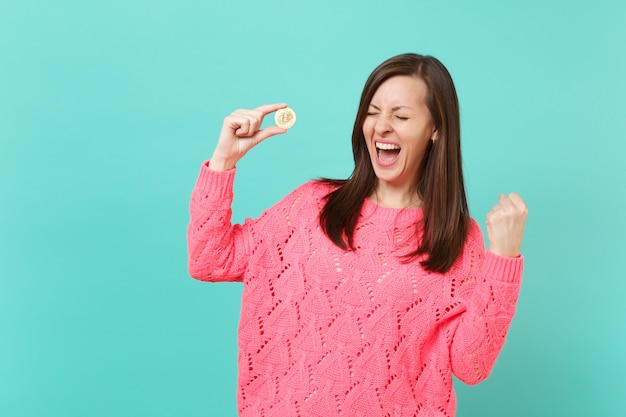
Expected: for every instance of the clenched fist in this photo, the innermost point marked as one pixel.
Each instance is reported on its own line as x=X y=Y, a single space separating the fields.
x=505 y=225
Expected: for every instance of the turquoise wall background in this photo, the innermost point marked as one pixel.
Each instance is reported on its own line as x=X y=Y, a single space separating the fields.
x=107 y=109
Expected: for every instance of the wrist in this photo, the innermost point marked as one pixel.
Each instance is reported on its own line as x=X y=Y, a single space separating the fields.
x=221 y=164
x=505 y=252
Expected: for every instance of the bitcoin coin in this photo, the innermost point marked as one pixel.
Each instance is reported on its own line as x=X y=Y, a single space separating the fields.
x=285 y=118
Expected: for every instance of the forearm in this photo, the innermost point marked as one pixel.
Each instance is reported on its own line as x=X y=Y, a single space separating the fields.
x=482 y=330
x=216 y=248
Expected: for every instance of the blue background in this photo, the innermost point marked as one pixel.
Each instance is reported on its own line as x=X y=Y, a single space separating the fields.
x=108 y=108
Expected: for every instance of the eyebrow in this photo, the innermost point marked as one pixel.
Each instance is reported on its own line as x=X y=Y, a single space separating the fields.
x=393 y=109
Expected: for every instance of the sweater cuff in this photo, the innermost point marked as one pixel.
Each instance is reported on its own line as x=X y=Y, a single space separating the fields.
x=504 y=269
x=215 y=183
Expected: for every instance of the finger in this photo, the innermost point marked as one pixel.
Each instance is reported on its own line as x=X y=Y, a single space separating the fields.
x=518 y=201
x=493 y=215
x=506 y=203
x=512 y=202
x=236 y=119
x=249 y=122
x=269 y=132
x=255 y=117
x=504 y=200
x=244 y=129
x=497 y=211
x=270 y=108
x=499 y=206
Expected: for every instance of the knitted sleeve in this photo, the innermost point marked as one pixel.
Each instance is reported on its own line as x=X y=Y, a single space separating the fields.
x=492 y=287
x=217 y=250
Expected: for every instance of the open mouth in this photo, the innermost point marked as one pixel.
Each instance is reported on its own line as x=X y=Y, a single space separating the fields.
x=387 y=152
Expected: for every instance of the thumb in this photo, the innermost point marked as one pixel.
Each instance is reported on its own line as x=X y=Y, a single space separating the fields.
x=269 y=132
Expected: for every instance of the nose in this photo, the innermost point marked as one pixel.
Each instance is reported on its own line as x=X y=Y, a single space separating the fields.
x=382 y=124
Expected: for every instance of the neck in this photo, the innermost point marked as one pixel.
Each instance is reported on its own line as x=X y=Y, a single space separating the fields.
x=392 y=197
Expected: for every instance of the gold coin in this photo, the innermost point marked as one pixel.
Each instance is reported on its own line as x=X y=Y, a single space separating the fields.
x=285 y=118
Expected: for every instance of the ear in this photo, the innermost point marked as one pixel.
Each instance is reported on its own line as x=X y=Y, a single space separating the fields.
x=434 y=135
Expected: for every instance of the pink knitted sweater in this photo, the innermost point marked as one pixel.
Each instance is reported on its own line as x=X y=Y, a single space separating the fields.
x=326 y=332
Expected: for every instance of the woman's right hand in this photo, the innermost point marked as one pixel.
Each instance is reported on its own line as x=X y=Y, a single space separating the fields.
x=241 y=132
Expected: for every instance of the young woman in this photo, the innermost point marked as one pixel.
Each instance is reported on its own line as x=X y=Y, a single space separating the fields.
x=363 y=296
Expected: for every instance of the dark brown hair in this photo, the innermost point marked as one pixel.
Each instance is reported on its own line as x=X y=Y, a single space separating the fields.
x=440 y=185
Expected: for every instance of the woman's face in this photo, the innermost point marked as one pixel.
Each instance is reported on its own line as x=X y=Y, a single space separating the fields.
x=397 y=129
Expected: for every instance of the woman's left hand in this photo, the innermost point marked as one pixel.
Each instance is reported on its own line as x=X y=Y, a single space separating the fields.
x=505 y=225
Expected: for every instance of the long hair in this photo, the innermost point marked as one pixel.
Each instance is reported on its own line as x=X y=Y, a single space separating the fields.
x=445 y=222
